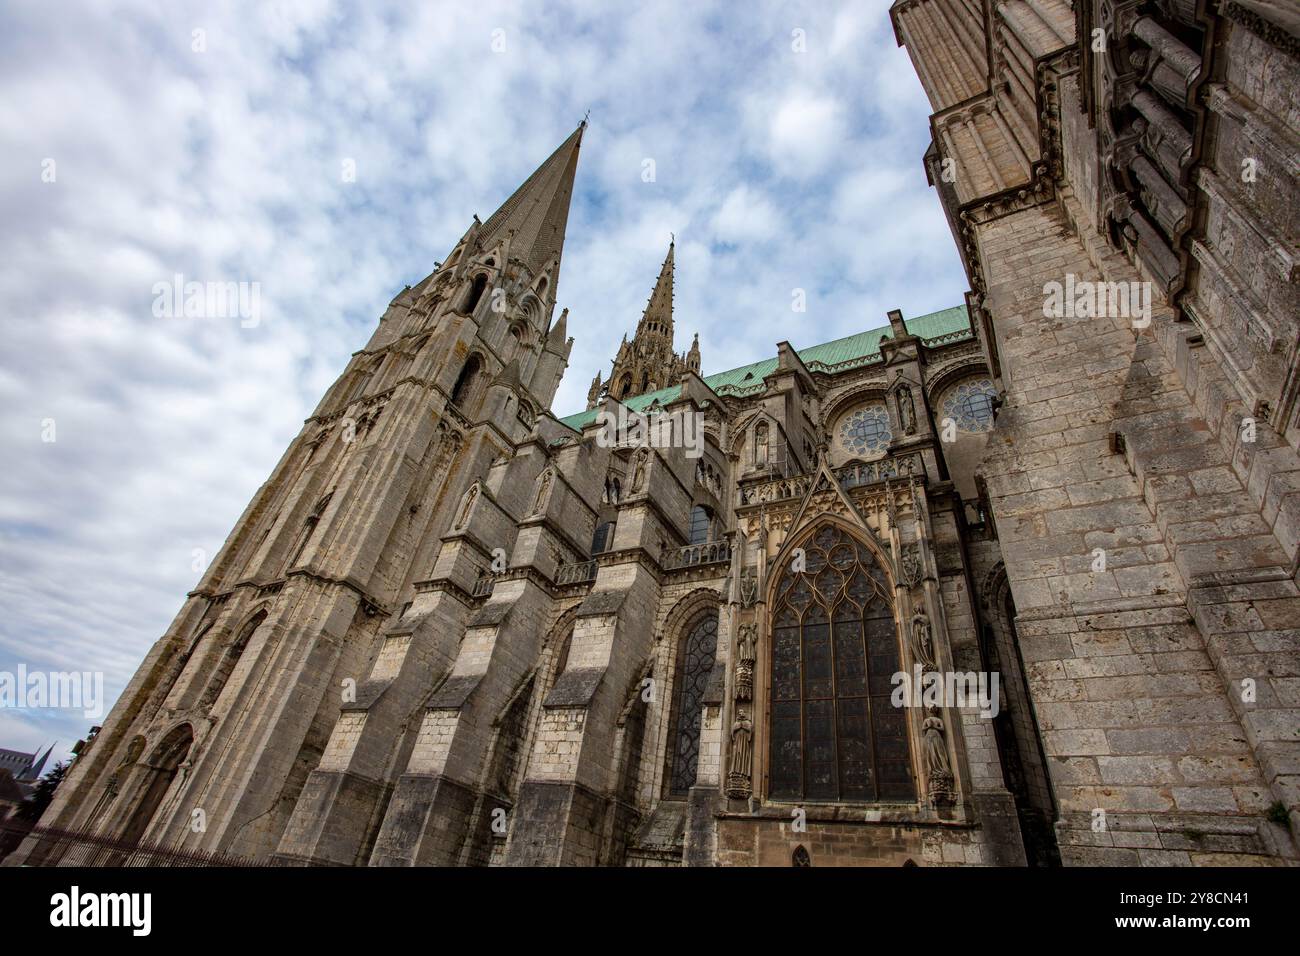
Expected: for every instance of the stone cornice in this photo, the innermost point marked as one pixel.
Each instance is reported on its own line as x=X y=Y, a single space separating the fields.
x=1268 y=31
x=270 y=588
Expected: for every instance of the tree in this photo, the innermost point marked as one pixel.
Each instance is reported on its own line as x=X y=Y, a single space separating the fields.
x=36 y=804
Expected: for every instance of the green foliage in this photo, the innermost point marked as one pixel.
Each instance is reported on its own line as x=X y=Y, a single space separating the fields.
x=36 y=804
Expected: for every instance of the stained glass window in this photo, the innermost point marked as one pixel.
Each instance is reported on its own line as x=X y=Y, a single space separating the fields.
x=970 y=405
x=700 y=523
x=694 y=667
x=835 y=734
x=866 y=430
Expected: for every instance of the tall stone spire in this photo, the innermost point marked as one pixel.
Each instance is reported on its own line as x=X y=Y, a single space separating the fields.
x=648 y=362
x=535 y=216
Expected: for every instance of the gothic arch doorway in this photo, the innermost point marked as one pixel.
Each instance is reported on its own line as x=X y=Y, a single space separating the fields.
x=833 y=733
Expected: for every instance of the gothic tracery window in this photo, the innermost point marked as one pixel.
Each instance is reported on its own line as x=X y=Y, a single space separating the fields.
x=835 y=735
x=694 y=666
x=970 y=405
x=866 y=430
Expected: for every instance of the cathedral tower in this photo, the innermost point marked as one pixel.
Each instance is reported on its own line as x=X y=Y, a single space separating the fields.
x=256 y=700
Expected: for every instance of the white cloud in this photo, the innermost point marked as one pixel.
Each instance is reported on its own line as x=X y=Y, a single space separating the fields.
x=806 y=134
x=745 y=215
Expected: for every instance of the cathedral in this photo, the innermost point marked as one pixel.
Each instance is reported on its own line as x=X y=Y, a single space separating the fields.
x=680 y=627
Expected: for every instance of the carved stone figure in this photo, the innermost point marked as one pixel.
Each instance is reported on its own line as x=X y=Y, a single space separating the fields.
x=745 y=662
x=542 y=490
x=906 y=411
x=748 y=587
x=922 y=642
x=469 y=503
x=936 y=757
x=638 y=473
x=742 y=740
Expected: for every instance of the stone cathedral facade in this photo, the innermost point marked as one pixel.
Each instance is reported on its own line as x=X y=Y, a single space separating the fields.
x=453 y=628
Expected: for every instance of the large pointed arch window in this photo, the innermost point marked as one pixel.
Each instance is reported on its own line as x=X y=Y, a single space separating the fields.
x=835 y=736
x=695 y=658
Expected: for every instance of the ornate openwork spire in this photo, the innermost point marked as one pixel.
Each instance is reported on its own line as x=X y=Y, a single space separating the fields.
x=658 y=315
x=648 y=362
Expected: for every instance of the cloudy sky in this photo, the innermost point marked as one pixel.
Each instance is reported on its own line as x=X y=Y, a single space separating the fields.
x=139 y=141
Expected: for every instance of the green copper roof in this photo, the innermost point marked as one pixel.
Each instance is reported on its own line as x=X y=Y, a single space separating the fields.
x=837 y=355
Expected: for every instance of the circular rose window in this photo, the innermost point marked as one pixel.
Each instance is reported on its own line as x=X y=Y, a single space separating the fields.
x=970 y=405
x=866 y=430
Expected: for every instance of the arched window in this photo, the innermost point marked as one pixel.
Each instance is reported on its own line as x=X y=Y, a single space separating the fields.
x=308 y=529
x=234 y=651
x=701 y=522
x=186 y=671
x=835 y=735
x=463 y=390
x=476 y=291
x=364 y=374
x=624 y=385
x=695 y=657
x=161 y=771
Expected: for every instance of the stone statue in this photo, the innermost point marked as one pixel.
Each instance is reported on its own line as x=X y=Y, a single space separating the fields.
x=906 y=411
x=742 y=733
x=541 y=492
x=936 y=756
x=469 y=503
x=745 y=663
x=638 y=474
x=922 y=642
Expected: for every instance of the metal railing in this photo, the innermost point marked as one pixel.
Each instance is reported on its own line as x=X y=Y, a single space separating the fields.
x=55 y=847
